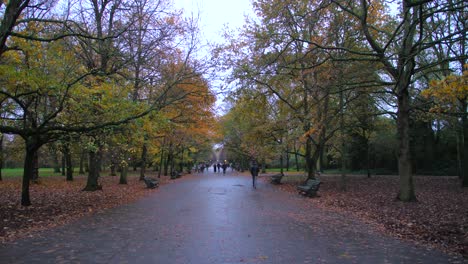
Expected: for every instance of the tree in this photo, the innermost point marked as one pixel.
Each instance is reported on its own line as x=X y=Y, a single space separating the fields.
x=450 y=95
x=49 y=93
x=396 y=47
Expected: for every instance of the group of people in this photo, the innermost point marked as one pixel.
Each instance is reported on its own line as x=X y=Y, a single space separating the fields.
x=217 y=167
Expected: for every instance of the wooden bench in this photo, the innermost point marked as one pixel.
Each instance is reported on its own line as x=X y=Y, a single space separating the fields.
x=151 y=183
x=175 y=175
x=276 y=179
x=310 y=188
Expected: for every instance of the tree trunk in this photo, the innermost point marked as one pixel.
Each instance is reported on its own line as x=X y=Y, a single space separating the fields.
x=144 y=157
x=64 y=162
x=1 y=156
x=35 y=173
x=82 y=161
x=123 y=171
x=464 y=152
x=310 y=161
x=112 y=168
x=343 y=144
x=281 y=164
x=296 y=157
x=69 y=165
x=181 y=164
x=32 y=147
x=368 y=158
x=93 y=174
x=161 y=162
x=406 y=192
x=55 y=158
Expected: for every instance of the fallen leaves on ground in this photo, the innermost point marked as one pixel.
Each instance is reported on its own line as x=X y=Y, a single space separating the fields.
x=438 y=219
x=56 y=202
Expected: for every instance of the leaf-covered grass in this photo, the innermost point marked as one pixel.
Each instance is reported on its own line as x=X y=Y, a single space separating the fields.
x=56 y=202
x=439 y=218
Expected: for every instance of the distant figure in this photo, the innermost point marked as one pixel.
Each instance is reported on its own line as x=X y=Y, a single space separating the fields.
x=224 y=167
x=219 y=167
x=254 y=169
x=214 y=167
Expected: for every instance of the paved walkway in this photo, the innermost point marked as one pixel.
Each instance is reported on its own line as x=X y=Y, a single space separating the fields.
x=215 y=218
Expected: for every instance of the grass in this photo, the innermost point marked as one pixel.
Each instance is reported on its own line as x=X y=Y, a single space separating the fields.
x=337 y=171
x=18 y=172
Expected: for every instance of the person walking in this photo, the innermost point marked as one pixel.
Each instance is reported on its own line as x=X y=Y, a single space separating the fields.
x=254 y=169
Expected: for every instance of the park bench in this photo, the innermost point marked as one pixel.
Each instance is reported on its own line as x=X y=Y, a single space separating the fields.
x=276 y=179
x=310 y=188
x=151 y=183
x=175 y=175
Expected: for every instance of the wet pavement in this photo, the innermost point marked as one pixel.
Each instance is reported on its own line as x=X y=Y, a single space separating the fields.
x=214 y=218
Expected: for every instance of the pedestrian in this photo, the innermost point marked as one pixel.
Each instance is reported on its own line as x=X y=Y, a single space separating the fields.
x=219 y=167
x=214 y=167
x=254 y=169
x=224 y=167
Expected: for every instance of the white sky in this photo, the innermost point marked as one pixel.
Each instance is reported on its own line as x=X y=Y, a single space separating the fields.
x=215 y=14
x=214 y=17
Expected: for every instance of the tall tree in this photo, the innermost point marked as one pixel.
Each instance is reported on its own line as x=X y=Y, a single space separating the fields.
x=396 y=47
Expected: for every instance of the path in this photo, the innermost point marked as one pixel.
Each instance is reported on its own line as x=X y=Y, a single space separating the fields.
x=211 y=218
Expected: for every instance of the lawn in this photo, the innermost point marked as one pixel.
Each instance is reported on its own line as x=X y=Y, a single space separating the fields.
x=18 y=172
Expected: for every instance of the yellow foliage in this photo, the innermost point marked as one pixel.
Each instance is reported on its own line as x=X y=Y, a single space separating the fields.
x=448 y=92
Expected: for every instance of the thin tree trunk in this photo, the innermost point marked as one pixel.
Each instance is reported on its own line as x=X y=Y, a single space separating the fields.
x=161 y=162
x=296 y=158
x=464 y=152
x=281 y=164
x=69 y=165
x=82 y=161
x=112 y=168
x=123 y=170
x=368 y=158
x=181 y=166
x=343 y=144
x=1 y=156
x=64 y=162
x=310 y=162
x=144 y=157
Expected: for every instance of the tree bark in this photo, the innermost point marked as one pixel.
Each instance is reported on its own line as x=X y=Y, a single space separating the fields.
x=64 y=162
x=1 y=156
x=82 y=161
x=407 y=192
x=123 y=170
x=55 y=158
x=35 y=171
x=32 y=146
x=144 y=158
x=93 y=174
x=68 y=162
x=464 y=152
x=343 y=144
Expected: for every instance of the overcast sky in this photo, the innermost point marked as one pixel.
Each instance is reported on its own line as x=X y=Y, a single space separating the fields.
x=214 y=14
